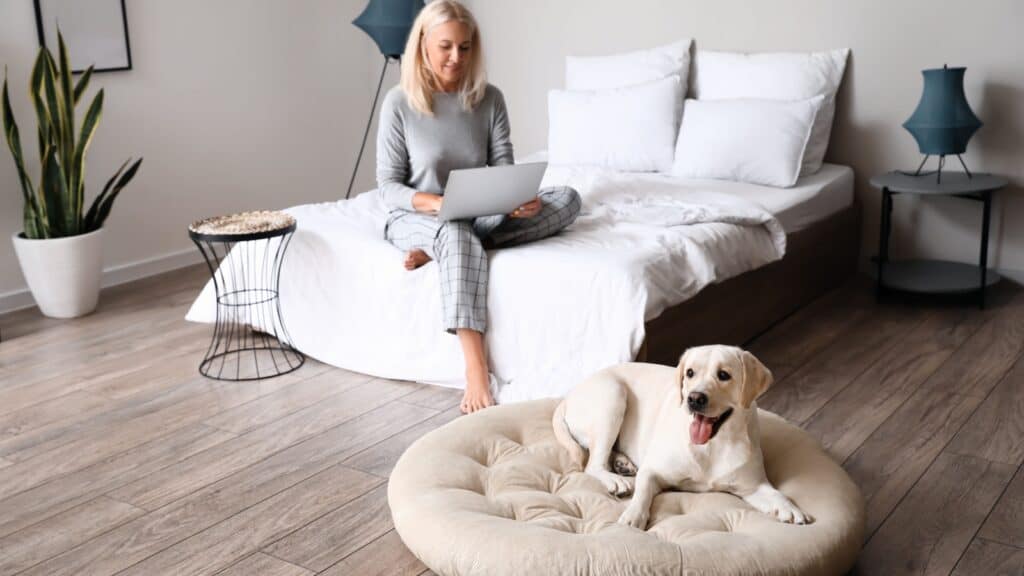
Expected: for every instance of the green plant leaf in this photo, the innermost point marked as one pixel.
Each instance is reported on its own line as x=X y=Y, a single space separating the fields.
x=88 y=126
x=62 y=136
x=92 y=118
x=97 y=203
x=42 y=113
x=48 y=132
x=72 y=177
x=31 y=223
x=14 y=140
x=108 y=202
x=39 y=223
x=55 y=194
x=53 y=102
x=68 y=99
x=35 y=218
x=83 y=83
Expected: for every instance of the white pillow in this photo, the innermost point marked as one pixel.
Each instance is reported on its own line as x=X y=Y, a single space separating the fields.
x=618 y=70
x=756 y=141
x=630 y=129
x=776 y=76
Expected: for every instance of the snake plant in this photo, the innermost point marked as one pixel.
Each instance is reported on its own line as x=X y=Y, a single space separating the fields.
x=54 y=209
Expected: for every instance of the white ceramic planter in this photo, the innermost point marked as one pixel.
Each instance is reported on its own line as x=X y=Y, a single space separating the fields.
x=63 y=273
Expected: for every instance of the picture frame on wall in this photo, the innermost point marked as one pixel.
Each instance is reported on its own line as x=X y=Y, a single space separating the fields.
x=95 y=31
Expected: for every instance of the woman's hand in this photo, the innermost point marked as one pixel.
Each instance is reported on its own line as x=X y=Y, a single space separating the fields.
x=528 y=210
x=427 y=203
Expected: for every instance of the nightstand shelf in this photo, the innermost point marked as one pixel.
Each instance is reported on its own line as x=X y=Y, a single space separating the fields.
x=935 y=276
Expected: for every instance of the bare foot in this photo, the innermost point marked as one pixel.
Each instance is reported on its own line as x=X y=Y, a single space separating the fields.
x=478 y=392
x=415 y=258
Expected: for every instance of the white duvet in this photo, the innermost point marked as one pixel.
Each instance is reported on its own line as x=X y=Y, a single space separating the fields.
x=558 y=309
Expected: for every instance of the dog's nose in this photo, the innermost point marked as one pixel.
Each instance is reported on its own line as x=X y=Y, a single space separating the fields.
x=698 y=401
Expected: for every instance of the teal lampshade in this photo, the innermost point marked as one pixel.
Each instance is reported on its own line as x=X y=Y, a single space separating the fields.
x=943 y=121
x=388 y=23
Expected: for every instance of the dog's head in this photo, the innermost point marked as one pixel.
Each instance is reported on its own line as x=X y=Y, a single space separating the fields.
x=714 y=382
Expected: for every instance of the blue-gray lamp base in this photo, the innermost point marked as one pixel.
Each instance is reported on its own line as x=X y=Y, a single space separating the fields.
x=938 y=172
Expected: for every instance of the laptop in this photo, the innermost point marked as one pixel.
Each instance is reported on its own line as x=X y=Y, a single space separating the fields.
x=490 y=190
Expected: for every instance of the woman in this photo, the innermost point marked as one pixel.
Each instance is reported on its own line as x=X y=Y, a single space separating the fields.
x=445 y=116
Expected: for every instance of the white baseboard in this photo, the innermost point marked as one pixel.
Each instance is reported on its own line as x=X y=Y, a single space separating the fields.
x=113 y=276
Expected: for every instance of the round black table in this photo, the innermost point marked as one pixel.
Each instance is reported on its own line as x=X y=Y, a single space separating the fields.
x=935 y=276
x=244 y=253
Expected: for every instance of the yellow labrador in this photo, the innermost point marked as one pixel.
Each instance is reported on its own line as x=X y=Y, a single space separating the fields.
x=690 y=428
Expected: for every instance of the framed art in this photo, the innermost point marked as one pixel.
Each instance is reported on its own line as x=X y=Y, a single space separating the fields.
x=95 y=31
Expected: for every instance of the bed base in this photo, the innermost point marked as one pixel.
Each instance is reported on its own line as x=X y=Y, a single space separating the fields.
x=818 y=259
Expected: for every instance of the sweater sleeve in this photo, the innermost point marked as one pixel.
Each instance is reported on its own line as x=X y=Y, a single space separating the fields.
x=393 y=156
x=499 y=150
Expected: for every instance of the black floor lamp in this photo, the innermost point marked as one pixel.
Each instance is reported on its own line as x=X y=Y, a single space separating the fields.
x=388 y=23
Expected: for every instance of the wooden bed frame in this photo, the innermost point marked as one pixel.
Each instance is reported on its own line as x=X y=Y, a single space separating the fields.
x=817 y=259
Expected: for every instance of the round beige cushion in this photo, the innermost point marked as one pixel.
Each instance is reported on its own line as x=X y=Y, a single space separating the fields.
x=494 y=493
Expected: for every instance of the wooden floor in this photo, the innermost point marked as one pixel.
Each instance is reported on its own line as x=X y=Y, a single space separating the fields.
x=116 y=457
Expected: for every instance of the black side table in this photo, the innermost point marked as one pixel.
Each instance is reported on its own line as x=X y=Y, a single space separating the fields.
x=244 y=253
x=935 y=276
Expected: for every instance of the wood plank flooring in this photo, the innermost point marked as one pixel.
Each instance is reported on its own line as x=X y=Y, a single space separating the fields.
x=116 y=457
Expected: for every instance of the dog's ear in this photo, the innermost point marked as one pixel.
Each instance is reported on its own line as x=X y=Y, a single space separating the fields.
x=679 y=375
x=756 y=378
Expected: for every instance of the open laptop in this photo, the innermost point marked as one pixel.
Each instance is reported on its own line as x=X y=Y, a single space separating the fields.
x=490 y=190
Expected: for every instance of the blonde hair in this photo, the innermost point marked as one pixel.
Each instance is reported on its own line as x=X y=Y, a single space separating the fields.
x=418 y=79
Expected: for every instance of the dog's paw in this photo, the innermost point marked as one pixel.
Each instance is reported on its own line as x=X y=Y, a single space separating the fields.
x=635 y=517
x=774 y=503
x=615 y=485
x=787 y=512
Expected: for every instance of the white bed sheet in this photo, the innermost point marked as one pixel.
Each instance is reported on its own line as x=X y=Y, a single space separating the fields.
x=558 y=309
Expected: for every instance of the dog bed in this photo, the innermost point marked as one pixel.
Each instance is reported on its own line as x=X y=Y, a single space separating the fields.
x=494 y=493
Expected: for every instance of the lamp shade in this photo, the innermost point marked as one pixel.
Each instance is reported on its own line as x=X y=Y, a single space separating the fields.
x=388 y=22
x=943 y=121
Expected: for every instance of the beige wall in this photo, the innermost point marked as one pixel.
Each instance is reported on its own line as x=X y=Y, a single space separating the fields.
x=235 y=105
x=526 y=42
x=252 y=104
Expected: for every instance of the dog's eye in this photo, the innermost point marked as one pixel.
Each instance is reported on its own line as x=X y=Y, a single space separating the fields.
x=689 y=372
x=723 y=375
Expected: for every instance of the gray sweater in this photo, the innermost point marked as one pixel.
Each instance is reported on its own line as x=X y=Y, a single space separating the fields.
x=415 y=152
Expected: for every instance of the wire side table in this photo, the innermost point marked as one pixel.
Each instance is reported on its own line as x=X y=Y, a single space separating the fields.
x=244 y=253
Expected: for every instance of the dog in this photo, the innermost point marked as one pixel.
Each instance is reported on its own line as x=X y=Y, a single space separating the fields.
x=690 y=428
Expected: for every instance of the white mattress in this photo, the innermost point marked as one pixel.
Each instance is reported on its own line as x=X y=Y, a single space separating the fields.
x=811 y=200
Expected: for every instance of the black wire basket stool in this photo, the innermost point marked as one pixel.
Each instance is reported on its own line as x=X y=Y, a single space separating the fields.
x=244 y=253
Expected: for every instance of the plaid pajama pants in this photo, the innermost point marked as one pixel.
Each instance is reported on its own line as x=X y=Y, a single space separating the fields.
x=458 y=248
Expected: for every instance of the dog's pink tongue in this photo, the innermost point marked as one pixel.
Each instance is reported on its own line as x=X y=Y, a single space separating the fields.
x=700 y=429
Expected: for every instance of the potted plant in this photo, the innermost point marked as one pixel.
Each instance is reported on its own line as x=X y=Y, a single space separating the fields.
x=60 y=248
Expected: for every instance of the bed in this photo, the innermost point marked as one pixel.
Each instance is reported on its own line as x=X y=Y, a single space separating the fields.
x=654 y=264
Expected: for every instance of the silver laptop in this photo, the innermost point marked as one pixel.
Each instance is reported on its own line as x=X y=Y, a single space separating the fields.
x=491 y=190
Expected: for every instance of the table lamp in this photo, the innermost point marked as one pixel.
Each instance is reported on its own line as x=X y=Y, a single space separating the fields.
x=943 y=121
x=388 y=23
